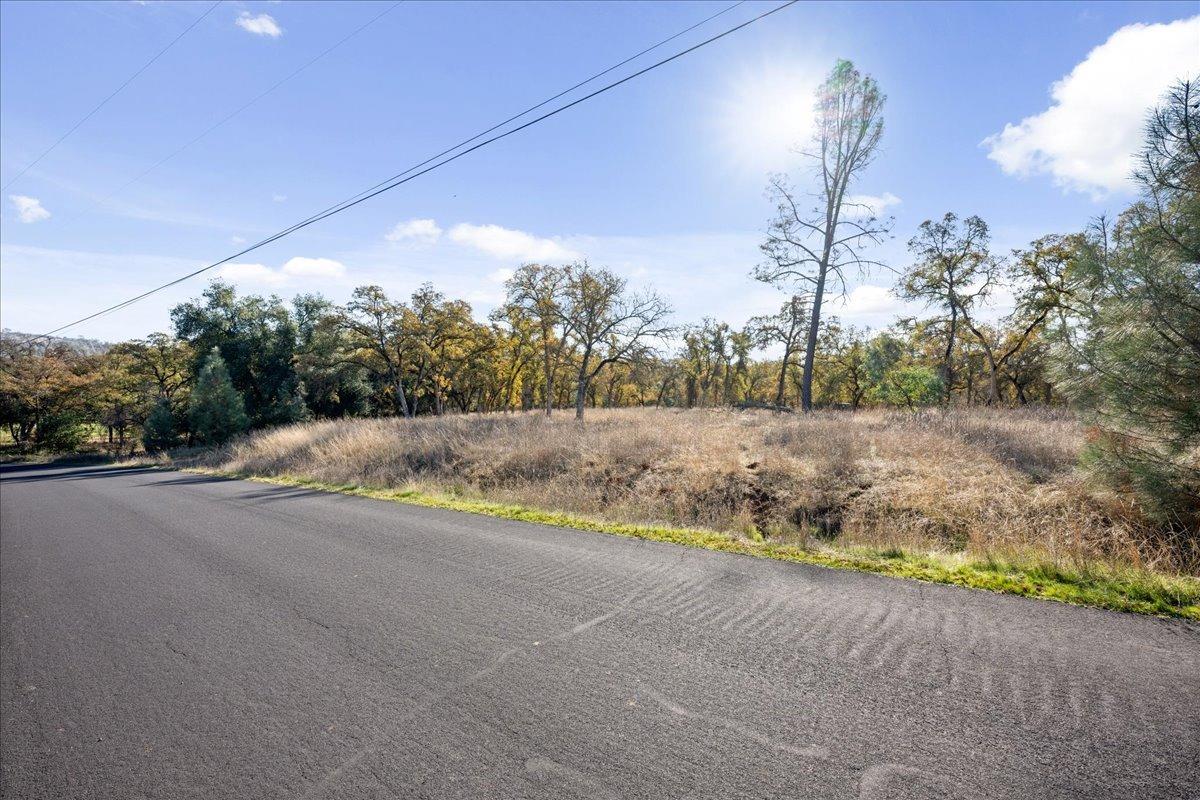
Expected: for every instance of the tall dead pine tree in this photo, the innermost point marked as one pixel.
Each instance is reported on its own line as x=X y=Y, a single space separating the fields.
x=809 y=247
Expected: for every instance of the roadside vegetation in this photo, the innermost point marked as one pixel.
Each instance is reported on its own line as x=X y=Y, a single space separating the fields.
x=980 y=497
x=1051 y=447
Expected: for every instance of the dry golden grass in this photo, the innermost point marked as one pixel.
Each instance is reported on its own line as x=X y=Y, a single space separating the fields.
x=993 y=483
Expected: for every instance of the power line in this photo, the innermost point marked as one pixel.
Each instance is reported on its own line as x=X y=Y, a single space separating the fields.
x=388 y=186
x=448 y=150
x=115 y=92
x=516 y=116
x=246 y=105
x=532 y=108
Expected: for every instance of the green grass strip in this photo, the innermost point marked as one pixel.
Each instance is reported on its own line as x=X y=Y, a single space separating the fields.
x=1135 y=592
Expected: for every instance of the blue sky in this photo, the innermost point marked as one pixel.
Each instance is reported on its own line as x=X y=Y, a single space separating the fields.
x=1020 y=113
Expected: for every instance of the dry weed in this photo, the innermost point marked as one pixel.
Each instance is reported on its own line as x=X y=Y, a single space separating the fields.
x=985 y=481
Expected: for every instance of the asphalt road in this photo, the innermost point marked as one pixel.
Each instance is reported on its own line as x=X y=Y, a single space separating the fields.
x=168 y=635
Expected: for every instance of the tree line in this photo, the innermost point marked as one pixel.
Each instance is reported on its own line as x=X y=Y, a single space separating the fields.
x=1107 y=319
x=567 y=337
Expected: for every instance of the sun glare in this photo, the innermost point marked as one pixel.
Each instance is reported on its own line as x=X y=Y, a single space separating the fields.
x=766 y=111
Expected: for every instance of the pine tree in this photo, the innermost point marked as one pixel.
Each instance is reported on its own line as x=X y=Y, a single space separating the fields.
x=216 y=412
x=1135 y=366
x=159 y=431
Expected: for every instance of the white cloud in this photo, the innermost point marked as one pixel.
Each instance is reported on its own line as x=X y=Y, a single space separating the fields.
x=510 y=244
x=500 y=275
x=1086 y=139
x=868 y=300
x=870 y=306
x=251 y=273
x=262 y=25
x=418 y=231
x=237 y=239
x=870 y=205
x=302 y=267
x=294 y=270
x=29 y=209
x=279 y=198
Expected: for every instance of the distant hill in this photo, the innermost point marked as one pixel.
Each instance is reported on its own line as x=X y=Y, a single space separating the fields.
x=87 y=347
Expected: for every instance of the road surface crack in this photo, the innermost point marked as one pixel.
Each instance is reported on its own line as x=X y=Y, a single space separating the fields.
x=816 y=752
x=458 y=686
x=176 y=650
x=311 y=620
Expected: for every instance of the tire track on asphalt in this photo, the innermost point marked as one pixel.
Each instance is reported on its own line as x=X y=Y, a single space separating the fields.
x=905 y=642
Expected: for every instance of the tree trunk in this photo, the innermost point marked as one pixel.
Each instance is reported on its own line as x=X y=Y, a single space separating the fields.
x=549 y=378
x=993 y=385
x=781 y=389
x=993 y=366
x=810 y=349
x=401 y=400
x=580 y=396
x=582 y=381
x=948 y=359
x=1021 y=396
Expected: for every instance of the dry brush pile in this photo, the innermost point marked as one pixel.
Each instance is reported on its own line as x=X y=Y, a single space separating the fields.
x=985 y=482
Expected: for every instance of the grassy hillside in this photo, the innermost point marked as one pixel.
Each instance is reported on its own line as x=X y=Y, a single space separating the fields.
x=996 y=491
